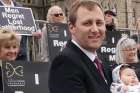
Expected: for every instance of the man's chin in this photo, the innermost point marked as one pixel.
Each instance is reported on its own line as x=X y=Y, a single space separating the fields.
x=96 y=46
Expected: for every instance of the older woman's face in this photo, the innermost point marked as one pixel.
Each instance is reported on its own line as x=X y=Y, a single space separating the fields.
x=57 y=15
x=129 y=53
x=9 y=52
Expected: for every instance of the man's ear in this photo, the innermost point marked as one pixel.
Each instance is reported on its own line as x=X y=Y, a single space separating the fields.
x=71 y=28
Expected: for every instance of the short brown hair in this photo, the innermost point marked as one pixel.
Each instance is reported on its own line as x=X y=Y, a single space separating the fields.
x=90 y=5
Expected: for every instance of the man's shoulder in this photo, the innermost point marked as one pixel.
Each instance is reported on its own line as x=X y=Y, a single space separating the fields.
x=70 y=51
x=69 y=54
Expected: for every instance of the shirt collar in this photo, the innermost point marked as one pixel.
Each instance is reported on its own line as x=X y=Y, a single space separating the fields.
x=91 y=55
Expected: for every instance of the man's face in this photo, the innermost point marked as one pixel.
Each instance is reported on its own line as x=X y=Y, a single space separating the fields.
x=89 y=29
x=129 y=77
x=108 y=19
x=9 y=52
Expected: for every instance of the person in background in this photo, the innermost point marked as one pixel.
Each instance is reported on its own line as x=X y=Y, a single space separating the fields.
x=125 y=80
x=109 y=19
x=126 y=53
x=55 y=15
x=136 y=36
x=23 y=44
x=9 y=47
x=23 y=48
x=77 y=69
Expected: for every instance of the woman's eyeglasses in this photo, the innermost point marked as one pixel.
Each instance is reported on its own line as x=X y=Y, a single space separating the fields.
x=57 y=15
x=130 y=49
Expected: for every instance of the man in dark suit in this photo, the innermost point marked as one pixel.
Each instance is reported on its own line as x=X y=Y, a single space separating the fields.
x=74 y=70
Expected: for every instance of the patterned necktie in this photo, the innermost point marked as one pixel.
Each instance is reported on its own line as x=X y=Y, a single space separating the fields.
x=99 y=66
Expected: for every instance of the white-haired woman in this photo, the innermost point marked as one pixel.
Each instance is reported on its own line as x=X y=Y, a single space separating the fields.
x=55 y=15
x=126 y=53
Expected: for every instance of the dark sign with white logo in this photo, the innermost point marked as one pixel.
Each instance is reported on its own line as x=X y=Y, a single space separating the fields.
x=108 y=49
x=57 y=35
x=18 y=18
x=13 y=77
x=25 y=77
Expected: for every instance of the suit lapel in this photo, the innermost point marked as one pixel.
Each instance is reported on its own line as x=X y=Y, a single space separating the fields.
x=94 y=71
x=88 y=63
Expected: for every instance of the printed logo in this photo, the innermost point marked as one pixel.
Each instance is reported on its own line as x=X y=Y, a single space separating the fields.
x=11 y=70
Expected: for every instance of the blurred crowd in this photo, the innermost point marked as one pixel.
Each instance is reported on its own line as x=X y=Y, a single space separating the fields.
x=15 y=47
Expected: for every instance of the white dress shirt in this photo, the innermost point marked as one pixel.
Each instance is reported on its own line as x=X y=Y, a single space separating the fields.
x=91 y=55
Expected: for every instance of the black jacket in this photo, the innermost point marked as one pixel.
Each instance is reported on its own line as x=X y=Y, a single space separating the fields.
x=73 y=72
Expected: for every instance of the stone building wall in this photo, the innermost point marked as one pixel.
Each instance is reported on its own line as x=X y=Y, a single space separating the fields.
x=39 y=7
x=127 y=10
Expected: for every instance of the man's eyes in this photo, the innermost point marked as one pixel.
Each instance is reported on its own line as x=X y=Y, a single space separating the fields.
x=98 y=23
x=87 y=23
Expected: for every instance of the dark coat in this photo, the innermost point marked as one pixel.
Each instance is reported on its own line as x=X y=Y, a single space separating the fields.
x=73 y=72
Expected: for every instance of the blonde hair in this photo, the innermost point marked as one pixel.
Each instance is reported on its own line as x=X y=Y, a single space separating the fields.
x=124 y=42
x=8 y=37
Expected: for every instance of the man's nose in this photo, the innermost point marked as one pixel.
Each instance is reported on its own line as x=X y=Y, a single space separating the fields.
x=94 y=28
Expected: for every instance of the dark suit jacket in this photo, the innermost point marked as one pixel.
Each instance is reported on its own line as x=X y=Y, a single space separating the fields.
x=73 y=72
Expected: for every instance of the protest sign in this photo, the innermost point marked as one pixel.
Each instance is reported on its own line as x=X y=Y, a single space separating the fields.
x=57 y=35
x=108 y=49
x=20 y=19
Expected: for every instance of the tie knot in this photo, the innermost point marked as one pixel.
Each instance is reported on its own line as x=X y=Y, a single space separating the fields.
x=97 y=60
x=98 y=63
